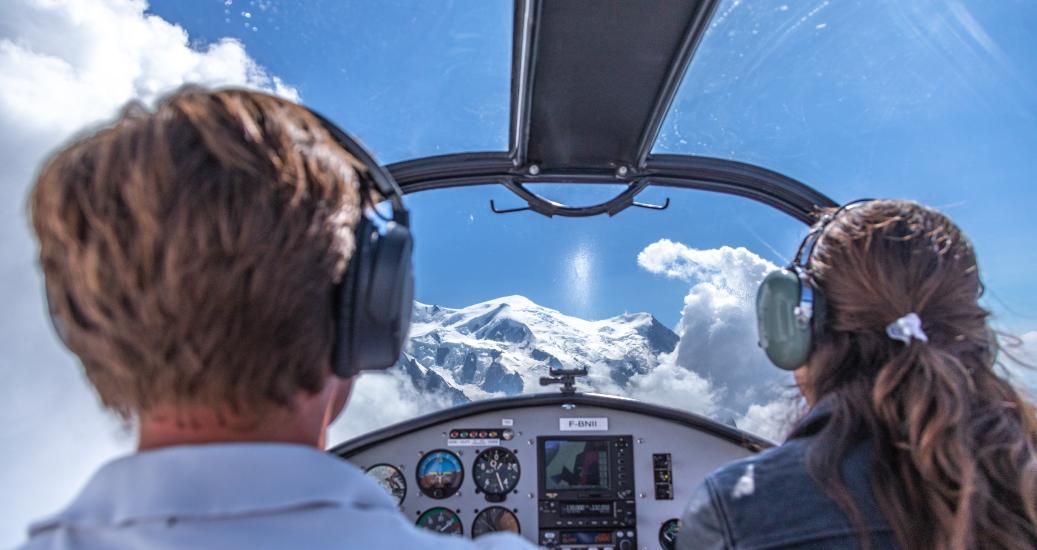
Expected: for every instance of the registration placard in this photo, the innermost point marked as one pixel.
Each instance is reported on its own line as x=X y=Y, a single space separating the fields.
x=597 y=424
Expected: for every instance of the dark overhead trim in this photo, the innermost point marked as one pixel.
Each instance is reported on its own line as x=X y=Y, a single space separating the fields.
x=451 y=171
x=550 y=208
x=678 y=67
x=720 y=175
x=738 y=178
x=694 y=421
x=522 y=58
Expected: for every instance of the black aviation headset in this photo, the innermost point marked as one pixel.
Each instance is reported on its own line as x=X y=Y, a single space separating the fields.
x=790 y=310
x=373 y=302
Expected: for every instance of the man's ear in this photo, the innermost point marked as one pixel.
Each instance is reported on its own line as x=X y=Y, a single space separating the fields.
x=339 y=392
x=336 y=392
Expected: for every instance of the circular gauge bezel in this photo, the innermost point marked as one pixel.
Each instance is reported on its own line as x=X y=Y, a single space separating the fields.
x=494 y=508
x=437 y=493
x=475 y=470
x=399 y=473
x=662 y=530
x=434 y=509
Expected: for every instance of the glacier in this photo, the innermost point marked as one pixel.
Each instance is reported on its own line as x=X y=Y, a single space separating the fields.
x=502 y=347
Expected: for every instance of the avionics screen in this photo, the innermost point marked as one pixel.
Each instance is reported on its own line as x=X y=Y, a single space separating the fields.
x=576 y=465
x=585 y=537
x=584 y=509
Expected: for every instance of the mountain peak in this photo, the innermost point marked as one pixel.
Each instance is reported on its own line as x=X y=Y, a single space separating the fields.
x=514 y=300
x=505 y=344
x=633 y=318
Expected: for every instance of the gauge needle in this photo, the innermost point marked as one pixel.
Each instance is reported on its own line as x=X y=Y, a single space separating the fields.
x=499 y=480
x=446 y=526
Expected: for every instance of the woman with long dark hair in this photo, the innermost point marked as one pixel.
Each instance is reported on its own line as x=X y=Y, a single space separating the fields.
x=911 y=439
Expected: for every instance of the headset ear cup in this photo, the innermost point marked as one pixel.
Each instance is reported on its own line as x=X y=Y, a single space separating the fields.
x=784 y=337
x=391 y=297
x=343 y=298
x=375 y=301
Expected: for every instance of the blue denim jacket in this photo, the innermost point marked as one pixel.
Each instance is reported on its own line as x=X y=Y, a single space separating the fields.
x=770 y=501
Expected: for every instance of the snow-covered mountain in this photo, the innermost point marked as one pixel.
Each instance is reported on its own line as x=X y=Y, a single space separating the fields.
x=503 y=347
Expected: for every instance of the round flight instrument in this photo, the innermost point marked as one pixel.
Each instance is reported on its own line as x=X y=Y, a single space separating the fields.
x=391 y=479
x=496 y=471
x=440 y=474
x=441 y=520
x=668 y=534
x=494 y=519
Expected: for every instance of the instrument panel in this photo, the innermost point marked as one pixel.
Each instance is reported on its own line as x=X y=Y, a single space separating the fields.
x=564 y=471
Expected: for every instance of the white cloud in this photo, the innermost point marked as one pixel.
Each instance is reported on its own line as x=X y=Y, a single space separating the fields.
x=718 y=322
x=737 y=271
x=1029 y=347
x=381 y=399
x=772 y=420
x=675 y=387
x=64 y=66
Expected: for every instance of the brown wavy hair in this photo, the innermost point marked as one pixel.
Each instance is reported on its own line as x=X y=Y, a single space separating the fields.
x=955 y=444
x=189 y=252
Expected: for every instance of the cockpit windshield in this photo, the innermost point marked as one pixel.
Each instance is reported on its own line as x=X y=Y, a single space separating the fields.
x=657 y=305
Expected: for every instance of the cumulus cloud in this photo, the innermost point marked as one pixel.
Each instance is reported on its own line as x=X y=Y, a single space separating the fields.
x=65 y=66
x=381 y=399
x=717 y=368
x=676 y=387
x=1028 y=350
x=718 y=324
x=772 y=420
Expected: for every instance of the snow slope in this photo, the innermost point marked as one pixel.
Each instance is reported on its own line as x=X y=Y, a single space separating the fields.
x=503 y=346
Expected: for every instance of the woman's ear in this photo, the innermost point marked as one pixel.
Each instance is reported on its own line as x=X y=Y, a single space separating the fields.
x=802 y=376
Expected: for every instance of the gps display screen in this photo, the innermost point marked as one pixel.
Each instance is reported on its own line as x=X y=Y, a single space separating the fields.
x=576 y=465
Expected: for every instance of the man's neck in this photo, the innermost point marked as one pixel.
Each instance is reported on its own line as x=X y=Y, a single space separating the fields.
x=305 y=422
x=302 y=425
x=157 y=430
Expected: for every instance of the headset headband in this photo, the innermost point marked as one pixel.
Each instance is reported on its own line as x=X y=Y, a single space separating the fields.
x=790 y=310
x=383 y=181
x=373 y=301
x=817 y=232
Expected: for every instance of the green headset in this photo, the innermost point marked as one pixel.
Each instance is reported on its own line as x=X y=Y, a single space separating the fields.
x=790 y=310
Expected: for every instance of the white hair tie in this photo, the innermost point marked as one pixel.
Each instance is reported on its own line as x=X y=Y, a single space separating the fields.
x=906 y=328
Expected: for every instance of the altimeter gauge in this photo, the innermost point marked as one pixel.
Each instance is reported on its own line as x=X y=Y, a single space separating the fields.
x=496 y=472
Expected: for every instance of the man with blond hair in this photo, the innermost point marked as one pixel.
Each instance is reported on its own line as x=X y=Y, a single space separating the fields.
x=190 y=255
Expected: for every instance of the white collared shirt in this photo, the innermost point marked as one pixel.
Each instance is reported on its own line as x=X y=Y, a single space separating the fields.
x=239 y=495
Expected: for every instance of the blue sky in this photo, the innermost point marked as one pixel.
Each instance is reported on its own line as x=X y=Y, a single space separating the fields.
x=934 y=101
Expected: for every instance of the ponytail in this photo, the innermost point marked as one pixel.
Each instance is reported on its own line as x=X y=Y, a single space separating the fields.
x=954 y=444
